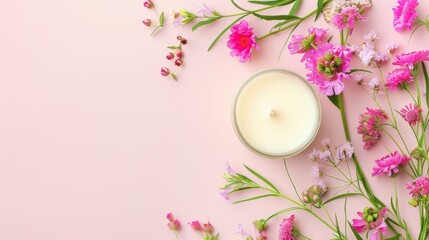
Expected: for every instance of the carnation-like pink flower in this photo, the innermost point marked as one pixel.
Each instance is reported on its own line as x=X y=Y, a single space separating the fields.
x=372 y=220
x=389 y=164
x=398 y=78
x=301 y=44
x=286 y=229
x=242 y=41
x=411 y=113
x=404 y=14
x=370 y=126
x=419 y=187
x=330 y=66
x=347 y=18
x=409 y=59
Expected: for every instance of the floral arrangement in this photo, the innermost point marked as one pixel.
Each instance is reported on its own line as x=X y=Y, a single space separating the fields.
x=329 y=65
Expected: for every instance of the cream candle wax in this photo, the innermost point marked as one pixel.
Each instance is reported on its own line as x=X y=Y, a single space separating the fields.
x=276 y=114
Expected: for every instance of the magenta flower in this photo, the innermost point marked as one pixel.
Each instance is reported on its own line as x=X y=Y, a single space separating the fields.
x=170 y=56
x=347 y=18
x=389 y=164
x=147 y=22
x=419 y=187
x=301 y=44
x=287 y=229
x=242 y=41
x=411 y=113
x=398 y=78
x=148 y=4
x=404 y=14
x=165 y=71
x=409 y=59
x=196 y=225
x=370 y=126
x=372 y=220
x=330 y=66
x=173 y=224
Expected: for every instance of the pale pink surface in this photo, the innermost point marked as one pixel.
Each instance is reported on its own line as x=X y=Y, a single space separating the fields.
x=96 y=145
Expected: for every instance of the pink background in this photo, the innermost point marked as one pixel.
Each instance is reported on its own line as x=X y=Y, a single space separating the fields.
x=95 y=144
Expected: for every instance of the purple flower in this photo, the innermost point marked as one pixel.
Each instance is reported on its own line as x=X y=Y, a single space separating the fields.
x=229 y=169
x=344 y=152
x=409 y=59
x=301 y=44
x=225 y=192
x=404 y=14
x=329 y=65
x=206 y=10
x=242 y=41
x=398 y=78
x=389 y=164
x=347 y=18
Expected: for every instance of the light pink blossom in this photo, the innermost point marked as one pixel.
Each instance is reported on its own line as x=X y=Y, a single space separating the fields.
x=347 y=18
x=398 y=78
x=404 y=14
x=286 y=229
x=242 y=41
x=411 y=113
x=389 y=164
x=409 y=59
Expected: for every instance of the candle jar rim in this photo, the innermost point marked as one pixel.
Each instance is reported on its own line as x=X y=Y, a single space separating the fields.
x=265 y=154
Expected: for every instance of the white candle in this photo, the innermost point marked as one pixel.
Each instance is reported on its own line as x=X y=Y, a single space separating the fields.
x=276 y=114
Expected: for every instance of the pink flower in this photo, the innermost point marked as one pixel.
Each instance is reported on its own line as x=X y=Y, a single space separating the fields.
x=389 y=164
x=208 y=228
x=147 y=22
x=419 y=187
x=301 y=44
x=411 y=114
x=347 y=18
x=286 y=229
x=165 y=71
x=170 y=56
x=370 y=126
x=196 y=225
x=170 y=216
x=173 y=224
x=261 y=236
x=178 y=62
x=398 y=78
x=242 y=41
x=409 y=59
x=372 y=220
x=404 y=14
x=330 y=66
x=148 y=4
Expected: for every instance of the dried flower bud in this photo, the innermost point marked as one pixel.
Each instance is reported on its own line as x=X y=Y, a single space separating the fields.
x=170 y=56
x=196 y=225
x=147 y=22
x=180 y=54
x=170 y=217
x=182 y=40
x=208 y=228
x=259 y=225
x=178 y=62
x=165 y=71
x=174 y=225
x=148 y=4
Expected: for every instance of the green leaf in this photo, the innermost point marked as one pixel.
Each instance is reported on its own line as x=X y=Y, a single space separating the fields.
x=155 y=30
x=173 y=76
x=360 y=70
x=242 y=189
x=282 y=23
x=397 y=237
x=335 y=100
x=276 y=17
x=288 y=37
x=425 y=73
x=320 y=5
x=255 y=198
x=205 y=22
x=244 y=178
x=283 y=211
x=224 y=31
x=173 y=47
x=274 y=2
x=341 y=196
x=295 y=7
x=262 y=178
x=161 y=19
x=358 y=237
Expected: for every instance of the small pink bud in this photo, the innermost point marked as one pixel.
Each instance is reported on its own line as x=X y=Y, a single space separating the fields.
x=180 y=54
x=165 y=72
x=178 y=62
x=174 y=225
x=147 y=22
x=170 y=56
x=148 y=4
x=196 y=226
x=208 y=228
x=170 y=216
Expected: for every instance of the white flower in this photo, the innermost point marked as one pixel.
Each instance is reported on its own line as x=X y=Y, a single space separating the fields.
x=358 y=78
x=374 y=83
x=366 y=54
x=390 y=47
x=370 y=37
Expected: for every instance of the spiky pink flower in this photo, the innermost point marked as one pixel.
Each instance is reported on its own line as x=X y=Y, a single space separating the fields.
x=409 y=59
x=411 y=113
x=147 y=22
x=404 y=14
x=398 y=78
x=372 y=220
x=286 y=229
x=196 y=225
x=242 y=41
x=329 y=66
x=148 y=4
x=301 y=44
x=347 y=18
x=165 y=71
x=419 y=187
x=370 y=126
x=389 y=164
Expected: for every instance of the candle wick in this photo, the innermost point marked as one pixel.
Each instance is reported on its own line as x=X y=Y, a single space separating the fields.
x=273 y=113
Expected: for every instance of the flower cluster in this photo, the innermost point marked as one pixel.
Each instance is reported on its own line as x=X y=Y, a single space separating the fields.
x=207 y=229
x=338 y=6
x=370 y=126
x=347 y=18
x=419 y=190
x=372 y=220
x=176 y=54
